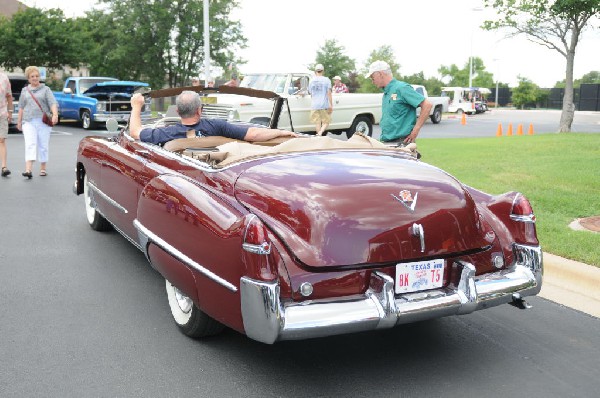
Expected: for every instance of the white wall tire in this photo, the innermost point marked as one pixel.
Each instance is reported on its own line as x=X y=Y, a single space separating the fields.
x=95 y=219
x=189 y=318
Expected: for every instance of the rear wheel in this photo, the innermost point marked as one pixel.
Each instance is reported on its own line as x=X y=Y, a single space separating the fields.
x=362 y=124
x=95 y=219
x=263 y=121
x=190 y=319
x=436 y=117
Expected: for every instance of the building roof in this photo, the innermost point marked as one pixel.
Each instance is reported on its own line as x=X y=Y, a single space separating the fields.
x=10 y=7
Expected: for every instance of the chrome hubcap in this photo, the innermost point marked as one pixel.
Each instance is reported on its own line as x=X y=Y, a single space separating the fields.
x=183 y=301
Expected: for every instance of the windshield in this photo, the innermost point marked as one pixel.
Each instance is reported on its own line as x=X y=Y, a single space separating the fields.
x=85 y=84
x=269 y=82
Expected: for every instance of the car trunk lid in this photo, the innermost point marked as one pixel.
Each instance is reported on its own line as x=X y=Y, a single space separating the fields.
x=346 y=208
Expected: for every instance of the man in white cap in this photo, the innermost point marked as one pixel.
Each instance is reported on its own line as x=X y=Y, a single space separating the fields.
x=399 y=122
x=338 y=86
x=321 y=101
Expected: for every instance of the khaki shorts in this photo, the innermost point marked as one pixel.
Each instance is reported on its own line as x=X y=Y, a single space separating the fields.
x=320 y=115
x=3 y=127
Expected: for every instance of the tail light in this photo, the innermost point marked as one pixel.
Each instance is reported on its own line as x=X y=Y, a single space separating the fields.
x=257 y=250
x=521 y=210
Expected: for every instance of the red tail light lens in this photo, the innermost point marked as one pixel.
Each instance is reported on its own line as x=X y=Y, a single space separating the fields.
x=257 y=247
x=521 y=210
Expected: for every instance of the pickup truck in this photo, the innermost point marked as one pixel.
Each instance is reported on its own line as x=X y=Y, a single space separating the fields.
x=17 y=82
x=93 y=100
x=351 y=111
x=440 y=104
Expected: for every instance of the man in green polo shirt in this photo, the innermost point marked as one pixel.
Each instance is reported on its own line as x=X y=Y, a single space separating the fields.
x=399 y=122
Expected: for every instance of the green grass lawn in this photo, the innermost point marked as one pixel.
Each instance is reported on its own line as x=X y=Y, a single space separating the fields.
x=559 y=173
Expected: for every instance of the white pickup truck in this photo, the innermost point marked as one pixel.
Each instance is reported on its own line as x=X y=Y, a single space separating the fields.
x=440 y=104
x=351 y=111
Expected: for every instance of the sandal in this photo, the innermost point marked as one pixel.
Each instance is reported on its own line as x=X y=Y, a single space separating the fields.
x=5 y=172
x=43 y=173
x=27 y=174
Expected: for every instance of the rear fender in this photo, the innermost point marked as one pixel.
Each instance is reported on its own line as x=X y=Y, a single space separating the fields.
x=188 y=232
x=497 y=209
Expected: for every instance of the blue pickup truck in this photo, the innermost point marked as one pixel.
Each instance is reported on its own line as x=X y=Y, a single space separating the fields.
x=93 y=100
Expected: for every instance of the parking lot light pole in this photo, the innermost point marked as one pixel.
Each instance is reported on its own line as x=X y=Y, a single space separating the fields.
x=471 y=55
x=206 y=44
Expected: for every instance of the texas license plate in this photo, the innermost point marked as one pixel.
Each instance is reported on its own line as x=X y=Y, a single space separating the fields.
x=420 y=275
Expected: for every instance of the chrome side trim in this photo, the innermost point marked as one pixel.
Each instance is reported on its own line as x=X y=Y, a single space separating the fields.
x=146 y=236
x=110 y=200
x=268 y=318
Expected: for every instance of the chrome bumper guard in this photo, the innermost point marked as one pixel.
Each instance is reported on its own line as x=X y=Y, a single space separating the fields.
x=268 y=319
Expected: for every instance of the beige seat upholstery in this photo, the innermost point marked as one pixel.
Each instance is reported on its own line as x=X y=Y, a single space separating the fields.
x=235 y=151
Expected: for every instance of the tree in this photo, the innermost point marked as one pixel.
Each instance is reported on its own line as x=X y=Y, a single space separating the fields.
x=36 y=37
x=460 y=77
x=383 y=53
x=432 y=84
x=333 y=59
x=525 y=93
x=557 y=25
x=162 y=40
x=592 y=77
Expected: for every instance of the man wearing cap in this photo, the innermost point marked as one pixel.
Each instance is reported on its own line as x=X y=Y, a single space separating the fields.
x=338 y=86
x=321 y=101
x=399 y=122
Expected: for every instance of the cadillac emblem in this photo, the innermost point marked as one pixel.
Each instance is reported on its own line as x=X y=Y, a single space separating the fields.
x=406 y=198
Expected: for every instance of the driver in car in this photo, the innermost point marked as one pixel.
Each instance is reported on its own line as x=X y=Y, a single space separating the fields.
x=189 y=108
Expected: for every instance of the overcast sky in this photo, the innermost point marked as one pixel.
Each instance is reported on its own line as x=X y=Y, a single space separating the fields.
x=284 y=35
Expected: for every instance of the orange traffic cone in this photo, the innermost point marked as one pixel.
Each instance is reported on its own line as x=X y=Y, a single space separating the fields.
x=499 y=131
x=463 y=119
x=509 y=132
x=530 y=132
x=520 y=129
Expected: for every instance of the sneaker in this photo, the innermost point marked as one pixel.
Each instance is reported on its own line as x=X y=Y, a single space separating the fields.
x=5 y=172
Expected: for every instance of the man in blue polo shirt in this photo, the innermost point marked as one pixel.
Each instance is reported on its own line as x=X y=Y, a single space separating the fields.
x=189 y=108
x=399 y=122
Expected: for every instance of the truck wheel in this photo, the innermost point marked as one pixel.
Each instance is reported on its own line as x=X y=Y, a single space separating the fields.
x=86 y=120
x=362 y=124
x=436 y=117
x=263 y=121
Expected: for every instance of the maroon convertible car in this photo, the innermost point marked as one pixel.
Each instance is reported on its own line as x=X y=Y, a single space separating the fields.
x=307 y=237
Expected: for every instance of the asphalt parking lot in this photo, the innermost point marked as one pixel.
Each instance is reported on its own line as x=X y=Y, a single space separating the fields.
x=83 y=314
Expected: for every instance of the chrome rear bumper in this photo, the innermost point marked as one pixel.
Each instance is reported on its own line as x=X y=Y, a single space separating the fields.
x=268 y=319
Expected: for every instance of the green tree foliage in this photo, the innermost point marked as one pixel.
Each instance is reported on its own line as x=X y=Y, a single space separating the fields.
x=460 y=77
x=40 y=38
x=592 y=77
x=557 y=25
x=526 y=93
x=432 y=84
x=161 y=40
x=333 y=59
x=383 y=53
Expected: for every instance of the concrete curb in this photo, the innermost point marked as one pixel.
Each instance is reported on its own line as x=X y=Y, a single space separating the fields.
x=572 y=284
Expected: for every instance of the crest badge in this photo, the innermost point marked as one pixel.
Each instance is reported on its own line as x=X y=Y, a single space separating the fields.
x=405 y=197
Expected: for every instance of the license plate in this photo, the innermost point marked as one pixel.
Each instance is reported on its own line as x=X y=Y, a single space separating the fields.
x=419 y=275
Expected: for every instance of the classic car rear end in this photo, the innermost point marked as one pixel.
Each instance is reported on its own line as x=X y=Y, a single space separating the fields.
x=391 y=242
x=312 y=237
